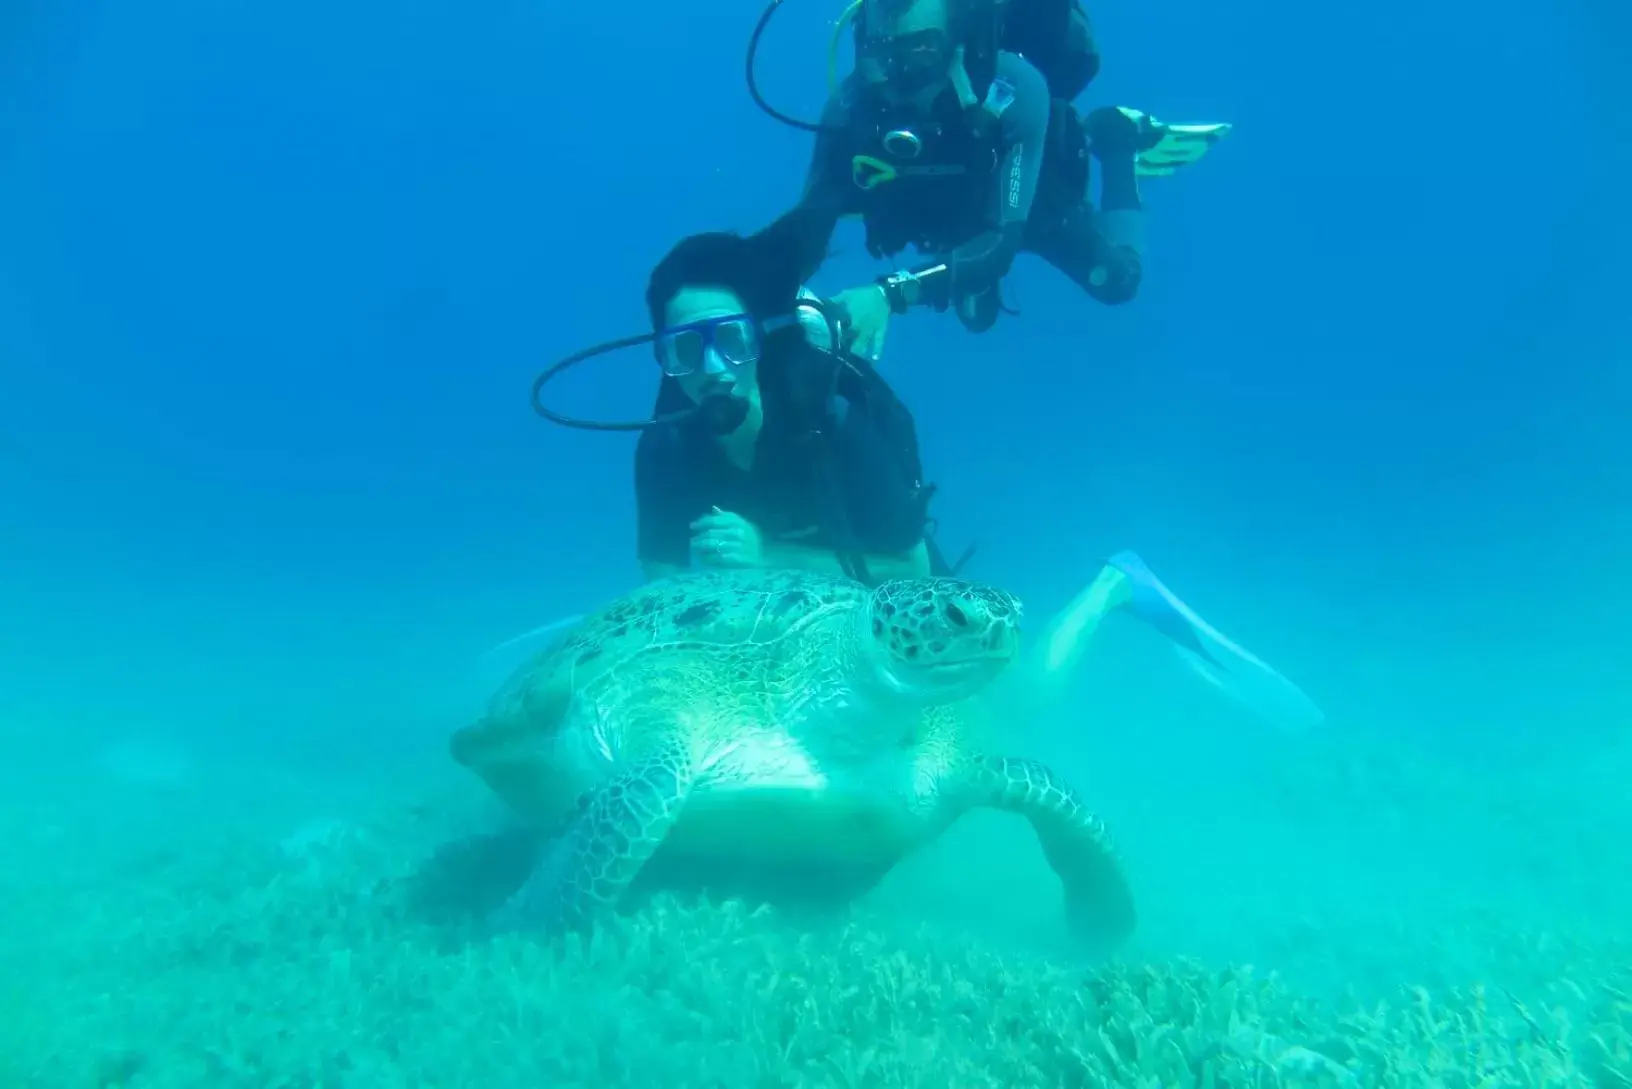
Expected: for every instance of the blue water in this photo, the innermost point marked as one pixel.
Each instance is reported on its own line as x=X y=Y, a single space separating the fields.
x=274 y=280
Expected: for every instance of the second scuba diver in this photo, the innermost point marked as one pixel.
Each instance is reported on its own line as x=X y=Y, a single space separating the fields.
x=944 y=140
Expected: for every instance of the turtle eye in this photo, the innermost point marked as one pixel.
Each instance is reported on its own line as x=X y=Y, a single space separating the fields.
x=957 y=616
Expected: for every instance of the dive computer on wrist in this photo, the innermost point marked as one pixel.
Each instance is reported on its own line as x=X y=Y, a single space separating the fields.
x=901 y=290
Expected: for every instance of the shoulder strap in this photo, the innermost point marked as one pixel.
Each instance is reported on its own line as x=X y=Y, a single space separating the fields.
x=836 y=515
x=858 y=383
x=818 y=409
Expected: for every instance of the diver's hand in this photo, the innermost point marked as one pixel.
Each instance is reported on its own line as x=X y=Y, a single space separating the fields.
x=866 y=319
x=723 y=539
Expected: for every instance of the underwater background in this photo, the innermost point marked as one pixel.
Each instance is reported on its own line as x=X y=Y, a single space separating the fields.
x=274 y=280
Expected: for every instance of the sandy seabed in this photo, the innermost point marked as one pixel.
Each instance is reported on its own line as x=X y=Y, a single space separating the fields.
x=242 y=960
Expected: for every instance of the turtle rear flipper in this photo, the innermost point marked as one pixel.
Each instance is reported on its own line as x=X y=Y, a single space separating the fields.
x=619 y=826
x=1098 y=901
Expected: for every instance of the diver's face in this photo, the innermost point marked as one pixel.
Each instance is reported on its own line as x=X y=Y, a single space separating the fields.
x=720 y=360
x=906 y=53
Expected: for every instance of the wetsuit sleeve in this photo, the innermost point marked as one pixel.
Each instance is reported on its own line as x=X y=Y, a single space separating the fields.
x=808 y=228
x=663 y=492
x=984 y=260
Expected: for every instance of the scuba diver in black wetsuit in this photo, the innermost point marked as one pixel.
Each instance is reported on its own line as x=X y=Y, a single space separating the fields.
x=775 y=451
x=947 y=139
x=769 y=444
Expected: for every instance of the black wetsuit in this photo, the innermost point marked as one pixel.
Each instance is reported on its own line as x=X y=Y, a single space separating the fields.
x=1009 y=175
x=850 y=488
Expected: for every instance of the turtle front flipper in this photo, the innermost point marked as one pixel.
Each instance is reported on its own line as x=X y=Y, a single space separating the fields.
x=1098 y=901
x=619 y=826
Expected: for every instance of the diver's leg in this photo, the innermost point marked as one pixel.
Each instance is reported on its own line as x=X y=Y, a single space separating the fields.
x=1038 y=685
x=1099 y=251
x=1068 y=634
x=1126 y=583
x=1120 y=220
x=1102 y=251
x=979 y=312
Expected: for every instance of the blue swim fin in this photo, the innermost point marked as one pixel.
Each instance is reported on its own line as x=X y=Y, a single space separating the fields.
x=1168 y=146
x=1216 y=658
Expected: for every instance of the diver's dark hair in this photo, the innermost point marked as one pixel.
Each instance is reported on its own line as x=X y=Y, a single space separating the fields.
x=764 y=275
x=761 y=269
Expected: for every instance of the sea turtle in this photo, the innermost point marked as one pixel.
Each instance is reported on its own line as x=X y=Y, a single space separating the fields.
x=771 y=716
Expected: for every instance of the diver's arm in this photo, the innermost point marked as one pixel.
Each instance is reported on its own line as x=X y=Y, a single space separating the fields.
x=807 y=229
x=913 y=563
x=984 y=260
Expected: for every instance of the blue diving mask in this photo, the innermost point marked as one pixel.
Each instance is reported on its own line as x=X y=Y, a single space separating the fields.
x=733 y=338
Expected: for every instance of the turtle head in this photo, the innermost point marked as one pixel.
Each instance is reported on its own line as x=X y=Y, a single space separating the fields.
x=941 y=639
